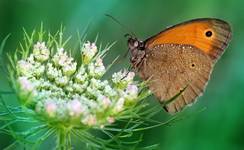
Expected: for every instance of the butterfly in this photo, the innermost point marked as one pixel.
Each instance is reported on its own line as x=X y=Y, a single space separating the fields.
x=180 y=59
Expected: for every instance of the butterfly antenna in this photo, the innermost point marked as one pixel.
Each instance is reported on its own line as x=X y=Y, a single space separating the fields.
x=126 y=54
x=126 y=35
x=122 y=25
x=128 y=70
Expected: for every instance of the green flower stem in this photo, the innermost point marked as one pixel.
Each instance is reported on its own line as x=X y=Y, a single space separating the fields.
x=64 y=139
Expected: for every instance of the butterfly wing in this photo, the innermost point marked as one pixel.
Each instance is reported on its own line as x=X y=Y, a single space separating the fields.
x=172 y=67
x=183 y=56
x=209 y=35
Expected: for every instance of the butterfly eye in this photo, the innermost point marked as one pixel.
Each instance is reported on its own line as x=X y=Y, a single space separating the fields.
x=136 y=44
x=141 y=45
x=208 y=33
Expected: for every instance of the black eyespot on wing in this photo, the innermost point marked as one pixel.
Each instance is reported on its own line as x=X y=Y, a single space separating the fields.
x=208 y=33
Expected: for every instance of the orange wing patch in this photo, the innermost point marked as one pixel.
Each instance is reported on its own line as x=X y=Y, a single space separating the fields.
x=209 y=35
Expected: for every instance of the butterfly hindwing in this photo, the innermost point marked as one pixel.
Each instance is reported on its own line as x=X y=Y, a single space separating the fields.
x=172 y=67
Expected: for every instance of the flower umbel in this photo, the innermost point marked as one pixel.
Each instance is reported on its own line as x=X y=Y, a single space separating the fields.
x=58 y=86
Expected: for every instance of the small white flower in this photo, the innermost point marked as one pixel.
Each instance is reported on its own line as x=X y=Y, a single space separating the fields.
x=41 y=52
x=104 y=83
x=109 y=91
x=62 y=80
x=69 y=87
x=122 y=78
x=93 y=92
x=44 y=94
x=91 y=69
x=90 y=103
x=117 y=77
x=31 y=59
x=69 y=69
x=46 y=85
x=38 y=70
x=80 y=87
x=60 y=57
x=96 y=71
x=94 y=83
x=99 y=67
x=24 y=68
x=119 y=105
x=52 y=72
x=81 y=76
x=99 y=71
x=99 y=62
x=88 y=51
x=82 y=70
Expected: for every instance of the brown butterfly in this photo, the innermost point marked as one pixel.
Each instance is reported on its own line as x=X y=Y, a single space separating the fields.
x=180 y=59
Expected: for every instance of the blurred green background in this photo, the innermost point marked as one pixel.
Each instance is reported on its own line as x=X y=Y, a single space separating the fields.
x=220 y=126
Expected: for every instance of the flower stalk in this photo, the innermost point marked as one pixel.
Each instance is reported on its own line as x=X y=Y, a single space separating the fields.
x=64 y=139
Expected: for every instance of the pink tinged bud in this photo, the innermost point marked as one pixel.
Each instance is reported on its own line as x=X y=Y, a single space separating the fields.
x=70 y=69
x=40 y=45
x=132 y=89
x=99 y=62
x=119 y=105
x=75 y=108
x=25 y=84
x=87 y=44
x=50 y=108
x=130 y=76
x=111 y=120
x=40 y=52
x=90 y=46
x=90 y=120
x=106 y=102
x=88 y=51
x=62 y=60
x=93 y=46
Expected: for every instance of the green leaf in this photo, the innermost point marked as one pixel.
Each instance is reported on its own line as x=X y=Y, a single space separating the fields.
x=3 y=44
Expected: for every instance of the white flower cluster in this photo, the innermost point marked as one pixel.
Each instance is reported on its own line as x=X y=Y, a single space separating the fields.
x=60 y=90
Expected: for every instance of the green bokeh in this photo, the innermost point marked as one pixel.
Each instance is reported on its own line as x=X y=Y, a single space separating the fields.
x=220 y=126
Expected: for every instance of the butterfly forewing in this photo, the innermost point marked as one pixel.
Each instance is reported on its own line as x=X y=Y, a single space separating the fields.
x=209 y=35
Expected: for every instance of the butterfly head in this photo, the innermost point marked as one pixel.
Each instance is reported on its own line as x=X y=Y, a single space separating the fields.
x=137 y=50
x=134 y=43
